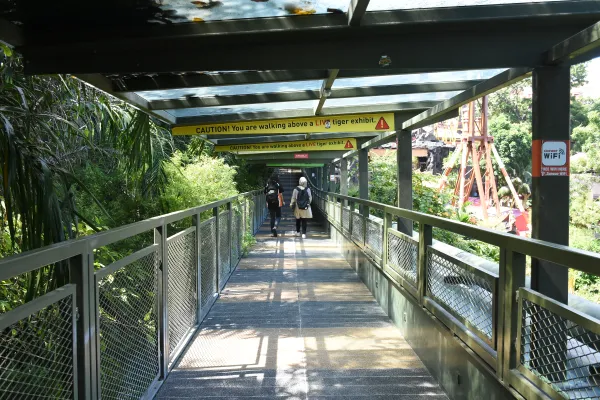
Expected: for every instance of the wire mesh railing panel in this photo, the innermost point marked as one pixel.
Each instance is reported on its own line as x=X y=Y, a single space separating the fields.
x=128 y=329
x=36 y=354
x=374 y=237
x=235 y=239
x=182 y=281
x=208 y=274
x=403 y=254
x=240 y=232
x=467 y=295
x=224 y=250
x=358 y=228
x=346 y=219
x=560 y=352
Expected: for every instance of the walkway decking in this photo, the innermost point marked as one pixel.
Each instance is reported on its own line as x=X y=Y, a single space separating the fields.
x=296 y=322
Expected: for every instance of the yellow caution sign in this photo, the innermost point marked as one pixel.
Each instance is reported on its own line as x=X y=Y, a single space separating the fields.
x=381 y=122
x=304 y=145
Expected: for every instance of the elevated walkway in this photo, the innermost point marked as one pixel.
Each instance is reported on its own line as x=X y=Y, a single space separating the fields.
x=295 y=321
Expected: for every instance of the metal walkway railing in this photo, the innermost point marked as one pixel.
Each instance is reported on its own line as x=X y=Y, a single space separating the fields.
x=536 y=345
x=115 y=330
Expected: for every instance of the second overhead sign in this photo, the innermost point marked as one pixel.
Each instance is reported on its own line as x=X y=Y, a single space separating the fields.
x=303 y=145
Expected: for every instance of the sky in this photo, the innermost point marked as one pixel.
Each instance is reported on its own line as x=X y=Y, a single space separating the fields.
x=592 y=89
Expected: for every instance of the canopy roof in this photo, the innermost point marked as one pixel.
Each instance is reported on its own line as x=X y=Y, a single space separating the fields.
x=210 y=61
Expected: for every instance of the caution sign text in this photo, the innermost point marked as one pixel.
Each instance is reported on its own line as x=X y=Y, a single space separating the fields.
x=303 y=145
x=340 y=123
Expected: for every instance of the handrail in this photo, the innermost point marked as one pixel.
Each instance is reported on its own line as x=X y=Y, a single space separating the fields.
x=32 y=259
x=582 y=260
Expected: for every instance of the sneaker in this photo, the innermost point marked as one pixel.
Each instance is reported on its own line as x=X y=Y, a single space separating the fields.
x=303 y=236
x=274 y=232
x=297 y=234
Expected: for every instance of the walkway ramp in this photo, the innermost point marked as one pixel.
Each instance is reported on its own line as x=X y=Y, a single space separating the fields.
x=295 y=321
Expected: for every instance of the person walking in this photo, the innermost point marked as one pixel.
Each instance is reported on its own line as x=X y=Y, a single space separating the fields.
x=274 y=193
x=301 y=199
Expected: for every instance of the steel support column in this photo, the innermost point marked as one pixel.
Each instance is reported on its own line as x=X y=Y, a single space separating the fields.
x=404 y=177
x=331 y=173
x=363 y=178
x=344 y=176
x=550 y=194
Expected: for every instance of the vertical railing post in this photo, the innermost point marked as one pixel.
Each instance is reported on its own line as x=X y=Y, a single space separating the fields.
x=387 y=224
x=512 y=277
x=81 y=271
x=160 y=238
x=425 y=240
x=230 y=233
x=196 y=222
x=350 y=217
x=217 y=248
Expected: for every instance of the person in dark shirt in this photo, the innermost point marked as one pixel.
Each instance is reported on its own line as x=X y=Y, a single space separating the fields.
x=274 y=193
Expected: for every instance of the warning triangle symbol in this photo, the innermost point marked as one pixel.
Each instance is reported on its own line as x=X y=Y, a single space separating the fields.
x=381 y=124
x=348 y=145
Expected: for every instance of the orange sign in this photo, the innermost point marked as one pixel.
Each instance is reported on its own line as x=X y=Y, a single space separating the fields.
x=550 y=158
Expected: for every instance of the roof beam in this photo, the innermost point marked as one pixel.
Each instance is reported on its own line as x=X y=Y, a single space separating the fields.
x=497 y=82
x=138 y=83
x=410 y=109
x=576 y=46
x=326 y=90
x=520 y=34
x=105 y=84
x=356 y=11
x=286 y=138
x=300 y=95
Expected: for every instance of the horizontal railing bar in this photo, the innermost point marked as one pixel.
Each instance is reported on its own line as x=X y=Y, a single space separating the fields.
x=585 y=321
x=520 y=382
x=124 y=232
x=208 y=221
x=581 y=260
x=180 y=234
x=480 y=272
x=548 y=390
x=117 y=265
x=402 y=236
x=35 y=305
x=34 y=259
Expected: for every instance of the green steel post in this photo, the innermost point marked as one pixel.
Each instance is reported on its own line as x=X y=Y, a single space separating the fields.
x=425 y=240
x=230 y=234
x=196 y=222
x=550 y=194
x=81 y=271
x=160 y=237
x=344 y=178
x=217 y=248
x=387 y=224
x=404 y=178
x=512 y=277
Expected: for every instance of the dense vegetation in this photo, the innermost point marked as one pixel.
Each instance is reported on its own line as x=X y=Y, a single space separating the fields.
x=75 y=160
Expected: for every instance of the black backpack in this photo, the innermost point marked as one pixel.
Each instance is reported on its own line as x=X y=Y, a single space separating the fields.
x=303 y=200
x=273 y=194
